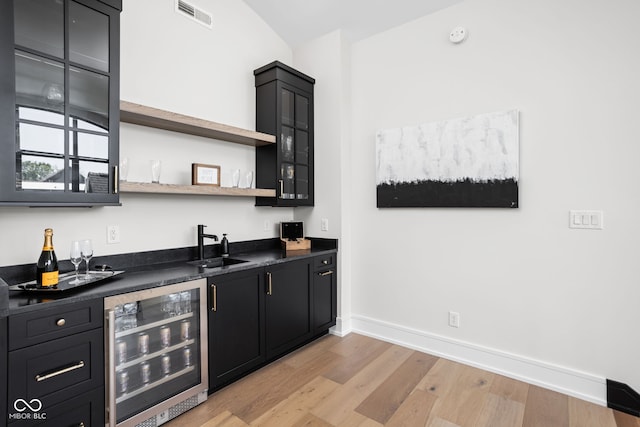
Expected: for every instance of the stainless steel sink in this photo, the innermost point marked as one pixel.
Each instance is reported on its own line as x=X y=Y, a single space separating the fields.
x=216 y=262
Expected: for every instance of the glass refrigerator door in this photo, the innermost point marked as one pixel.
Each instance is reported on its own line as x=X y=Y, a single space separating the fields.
x=157 y=346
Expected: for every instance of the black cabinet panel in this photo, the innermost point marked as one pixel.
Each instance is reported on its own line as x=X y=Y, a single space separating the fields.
x=287 y=306
x=3 y=365
x=59 y=102
x=324 y=300
x=284 y=108
x=236 y=325
x=84 y=410
x=56 y=370
x=43 y=325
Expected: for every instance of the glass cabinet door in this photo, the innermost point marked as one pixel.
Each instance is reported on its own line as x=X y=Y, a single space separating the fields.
x=64 y=75
x=294 y=146
x=157 y=348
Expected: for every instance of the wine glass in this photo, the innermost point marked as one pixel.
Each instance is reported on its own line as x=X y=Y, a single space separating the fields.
x=87 y=252
x=75 y=256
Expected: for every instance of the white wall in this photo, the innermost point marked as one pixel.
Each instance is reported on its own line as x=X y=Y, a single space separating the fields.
x=327 y=59
x=173 y=63
x=537 y=300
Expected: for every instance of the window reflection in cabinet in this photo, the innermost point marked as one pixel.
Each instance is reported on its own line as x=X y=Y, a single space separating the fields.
x=63 y=76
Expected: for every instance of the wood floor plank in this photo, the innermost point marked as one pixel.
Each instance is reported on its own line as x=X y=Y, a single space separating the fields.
x=414 y=411
x=225 y=419
x=355 y=419
x=441 y=377
x=546 y=408
x=296 y=406
x=297 y=391
x=439 y=422
x=626 y=420
x=301 y=357
x=499 y=411
x=510 y=388
x=387 y=398
x=465 y=400
x=585 y=414
x=357 y=353
x=259 y=393
x=309 y=420
x=340 y=404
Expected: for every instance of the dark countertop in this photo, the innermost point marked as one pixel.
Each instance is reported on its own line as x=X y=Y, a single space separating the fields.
x=153 y=269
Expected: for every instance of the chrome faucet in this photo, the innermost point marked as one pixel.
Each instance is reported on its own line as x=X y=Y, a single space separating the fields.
x=201 y=237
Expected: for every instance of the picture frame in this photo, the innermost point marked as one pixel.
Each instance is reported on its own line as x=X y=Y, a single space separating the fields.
x=202 y=174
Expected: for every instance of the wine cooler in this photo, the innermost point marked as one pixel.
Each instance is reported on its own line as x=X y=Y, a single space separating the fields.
x=156 y=341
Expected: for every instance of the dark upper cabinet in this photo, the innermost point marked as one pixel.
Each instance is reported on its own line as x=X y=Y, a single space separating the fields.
x=59 y=102
x=284 y=108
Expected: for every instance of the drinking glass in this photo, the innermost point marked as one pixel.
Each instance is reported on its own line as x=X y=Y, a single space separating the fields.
x=155 y=171
x=87 y=252
x=124 y=168
x=235 y=178
x=75 y=256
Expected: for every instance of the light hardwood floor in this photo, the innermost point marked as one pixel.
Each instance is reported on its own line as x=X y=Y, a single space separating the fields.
x=357 y=381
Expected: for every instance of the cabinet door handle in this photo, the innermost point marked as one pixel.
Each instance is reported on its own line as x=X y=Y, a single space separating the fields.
x=61 y=322
x=281 y=188
x=269 y=284
x=326 y=273
x=214 y=298
x=60 y=372
x=116 y=180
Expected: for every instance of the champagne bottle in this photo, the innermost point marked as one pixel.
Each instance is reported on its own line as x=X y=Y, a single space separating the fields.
x=47 y=266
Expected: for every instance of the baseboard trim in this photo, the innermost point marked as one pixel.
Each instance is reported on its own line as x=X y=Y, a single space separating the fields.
x=565 y=380
x=342 y=327
x=623 y=398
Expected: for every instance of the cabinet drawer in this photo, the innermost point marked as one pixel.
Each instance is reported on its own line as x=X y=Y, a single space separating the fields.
x=324 y=261
x=84 y=410
x=56 y=322
x=57 y=370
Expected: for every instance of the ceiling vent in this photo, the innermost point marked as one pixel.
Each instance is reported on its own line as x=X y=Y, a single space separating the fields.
x=190 y=11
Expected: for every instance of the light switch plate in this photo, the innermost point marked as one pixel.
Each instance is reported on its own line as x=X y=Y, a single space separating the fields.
x=592 y=220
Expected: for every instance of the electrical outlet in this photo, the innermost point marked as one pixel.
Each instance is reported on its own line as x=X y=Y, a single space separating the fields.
x=266 y=225
x=113 y=234
x=324 y=224
x=454 y=319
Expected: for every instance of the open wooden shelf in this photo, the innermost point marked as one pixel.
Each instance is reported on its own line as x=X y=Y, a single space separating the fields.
x=202 y=190
x=167 y=120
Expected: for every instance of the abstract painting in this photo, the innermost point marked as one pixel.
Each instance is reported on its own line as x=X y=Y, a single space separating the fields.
x=464 y=162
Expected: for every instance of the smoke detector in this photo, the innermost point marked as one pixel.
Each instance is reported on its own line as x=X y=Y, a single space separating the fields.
x=458 y=35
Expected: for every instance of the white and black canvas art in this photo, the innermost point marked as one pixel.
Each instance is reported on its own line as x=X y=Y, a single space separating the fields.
x=464 y=162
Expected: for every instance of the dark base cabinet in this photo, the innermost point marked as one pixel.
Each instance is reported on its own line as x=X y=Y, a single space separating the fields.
x=236 y=325
x=3 y=366
x=56 y=361
x=288 y=306
x=325 y=293
x=258 y=315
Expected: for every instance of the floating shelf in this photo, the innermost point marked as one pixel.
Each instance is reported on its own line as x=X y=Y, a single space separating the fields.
x=202 y=190
x=167 y=120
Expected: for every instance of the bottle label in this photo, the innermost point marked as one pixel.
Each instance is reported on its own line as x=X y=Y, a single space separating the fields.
x=50 y=279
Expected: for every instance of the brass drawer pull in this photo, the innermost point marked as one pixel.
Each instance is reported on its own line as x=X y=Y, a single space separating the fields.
x=214 y=298
x=61 y=322
x=269 y=284
x=60 y=372
x=326 y=273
